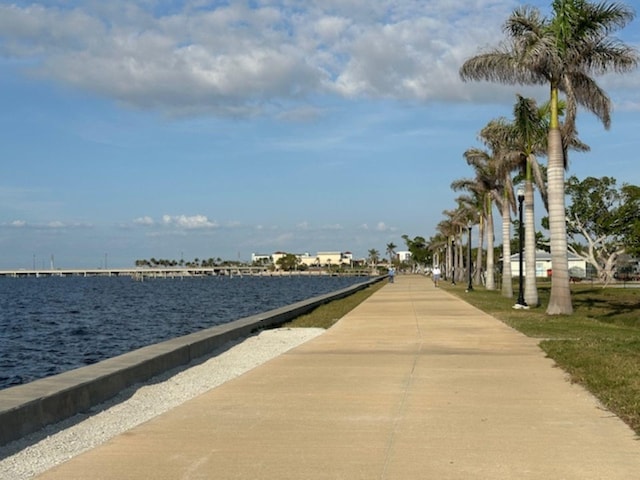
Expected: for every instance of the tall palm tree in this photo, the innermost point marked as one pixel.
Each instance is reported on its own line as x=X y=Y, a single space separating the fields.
x=391 y=251
x=472 y=210
x=448 y=230
x=480 y=199
x=529 y=140
x=506 y=204
x=477 y=200
x=374 y=256
x=562 y=52
x=458 y=220
x=438 y=244
x=497 y=136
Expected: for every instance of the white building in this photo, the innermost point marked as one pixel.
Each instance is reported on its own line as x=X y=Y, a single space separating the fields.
x=322 y=259
x=278 y=255
x=261 y=258
x=403 y=256
x=577 y=265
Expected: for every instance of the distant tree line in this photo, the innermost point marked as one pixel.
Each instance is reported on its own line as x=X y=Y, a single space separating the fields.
x=196 y=262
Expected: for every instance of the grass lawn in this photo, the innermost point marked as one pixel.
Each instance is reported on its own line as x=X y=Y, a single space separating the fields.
x=598 y=345
x=326 y=315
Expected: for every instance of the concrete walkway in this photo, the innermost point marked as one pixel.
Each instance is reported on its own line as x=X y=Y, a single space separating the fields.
x=412 y=384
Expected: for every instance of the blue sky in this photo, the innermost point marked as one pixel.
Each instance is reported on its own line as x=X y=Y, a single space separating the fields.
x=169 y=129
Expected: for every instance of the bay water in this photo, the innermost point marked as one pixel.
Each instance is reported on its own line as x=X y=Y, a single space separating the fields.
x=49 y=325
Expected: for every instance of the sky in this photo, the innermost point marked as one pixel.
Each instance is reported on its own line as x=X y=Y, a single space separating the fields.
x=133 y=129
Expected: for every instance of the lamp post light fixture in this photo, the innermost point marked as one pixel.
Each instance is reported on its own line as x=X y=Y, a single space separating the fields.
x=470 y=285
x=520 y=303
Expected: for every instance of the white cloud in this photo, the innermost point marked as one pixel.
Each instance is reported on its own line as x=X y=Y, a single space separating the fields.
x=335 y=226
x=330 y=29
x=240 y=60
x=52 y=225
x=145 y=221
x=379 y=227
x=188 y=222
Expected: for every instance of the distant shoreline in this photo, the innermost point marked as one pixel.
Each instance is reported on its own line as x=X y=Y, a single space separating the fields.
x=171 y=272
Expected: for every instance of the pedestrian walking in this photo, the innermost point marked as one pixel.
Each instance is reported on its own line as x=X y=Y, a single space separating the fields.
x=436 y=275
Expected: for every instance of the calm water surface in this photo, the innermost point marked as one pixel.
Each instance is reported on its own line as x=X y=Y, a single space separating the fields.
x=49 y=325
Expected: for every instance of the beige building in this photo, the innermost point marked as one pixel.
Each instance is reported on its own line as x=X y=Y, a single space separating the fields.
x=321 y=259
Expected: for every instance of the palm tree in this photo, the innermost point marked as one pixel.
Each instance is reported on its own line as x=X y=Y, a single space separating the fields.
x=437 y=244
x=519 y=142
x=561 y=52
x=497 y=136
x=529 y=140
x=472 y=211
x=483 y=186
x=447 y=230
x=374 y=256
x=506 y=204
x=474 y=202
x=391 y=251
x=458 y=221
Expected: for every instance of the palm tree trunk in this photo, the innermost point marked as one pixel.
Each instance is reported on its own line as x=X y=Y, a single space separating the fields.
x=479 y=255
x=449 y=275
x=461 y=259
x=530 y=288
x=507 y=286
x=560 y=300
x=491 y=282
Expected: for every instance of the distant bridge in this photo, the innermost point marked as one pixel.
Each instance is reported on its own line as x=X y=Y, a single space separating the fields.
x=169 y=272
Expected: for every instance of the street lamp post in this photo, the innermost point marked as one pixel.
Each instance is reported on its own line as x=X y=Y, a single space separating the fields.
x=470 y=285
x=520 y=303
x=453 y=262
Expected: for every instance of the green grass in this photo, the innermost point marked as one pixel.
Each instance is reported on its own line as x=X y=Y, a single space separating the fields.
x=326 y=315
x=598 y=345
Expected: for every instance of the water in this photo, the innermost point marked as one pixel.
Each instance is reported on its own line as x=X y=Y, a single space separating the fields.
x=50 y=325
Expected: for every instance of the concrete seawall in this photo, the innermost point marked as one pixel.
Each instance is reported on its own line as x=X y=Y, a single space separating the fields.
x=25 y=409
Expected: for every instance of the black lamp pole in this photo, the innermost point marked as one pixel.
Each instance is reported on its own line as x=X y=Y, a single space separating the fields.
x=470 y=286
x=521 y=303
x=453 y=262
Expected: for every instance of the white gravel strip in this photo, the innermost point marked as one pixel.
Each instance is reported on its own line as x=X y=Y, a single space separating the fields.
x=58 y=443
